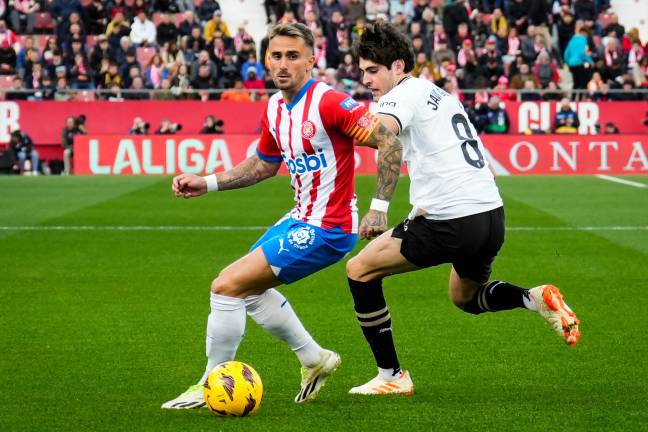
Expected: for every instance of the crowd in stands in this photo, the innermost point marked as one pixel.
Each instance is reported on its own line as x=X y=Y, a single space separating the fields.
x=474 y=49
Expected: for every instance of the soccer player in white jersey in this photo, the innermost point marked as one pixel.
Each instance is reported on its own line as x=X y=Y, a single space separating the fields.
x=311 y=128
x=457 y=215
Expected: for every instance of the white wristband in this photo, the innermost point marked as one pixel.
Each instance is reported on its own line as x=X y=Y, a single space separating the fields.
x=380 y=205
x=212 y=182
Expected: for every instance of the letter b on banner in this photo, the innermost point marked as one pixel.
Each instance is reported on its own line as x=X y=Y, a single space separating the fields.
x=9 y=115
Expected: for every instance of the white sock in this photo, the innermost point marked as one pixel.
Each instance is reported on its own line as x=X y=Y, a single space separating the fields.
x=528 y=303
x=225 y=328
x=272 y=311
x=389 y=374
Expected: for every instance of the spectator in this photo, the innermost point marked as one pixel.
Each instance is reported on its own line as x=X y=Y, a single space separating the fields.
x=202 y=79
x=442 y=53
x=165 y=92
x=167 y=31
x=545 y=70
x=62 y=92
x=117 y=29
x=566 y=120
x=255 y=84
x=24 y=10
x=523 y=75
x=552 y=92
x=519 y=14
x=498 y=22
x=188 y=23
x=137 y=90
x=186 y=5
x=8 y=38
x=613 y=59
x=143 y=32
x=195 y=41
x=352 y=10
x=99 y=52
x=348 y=72
x=7 y=58
x=585 y=10
x=495 y=119
x=17 y=91
x=61 y=11
x=453 y=15
x=212 y=126
x=155 y=72
x=119 y=6
x=73 y=127
x=577 y=59
x=228 y=71
x=204 y=60
x=206 y=10
x=237 y=93
x=240 y=36
x=214 y=25
x=610 y=129
x=375 y=8
x=110 y=77
x=96 y=17
x=529 y=92
x=23 y=148
x=565 y=28
x=126 y=67
x=502 y=90
x=252 y=63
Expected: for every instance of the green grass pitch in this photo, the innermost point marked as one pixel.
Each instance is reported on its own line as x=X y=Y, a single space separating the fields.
x=99 y=327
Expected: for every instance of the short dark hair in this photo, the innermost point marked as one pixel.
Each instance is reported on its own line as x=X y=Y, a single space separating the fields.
x=383 y=44
x=297 y=30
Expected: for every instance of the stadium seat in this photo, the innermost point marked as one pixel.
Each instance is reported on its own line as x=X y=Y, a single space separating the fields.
x=6 y=82
x=129 y=2
x=156 y=18
x=43 y=21
x=178 y=19
x=144 y=54
x=85 y=3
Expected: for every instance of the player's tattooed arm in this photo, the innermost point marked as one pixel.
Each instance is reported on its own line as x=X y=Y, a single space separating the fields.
x=390 y=159
x=251 y=171
x=390 y=156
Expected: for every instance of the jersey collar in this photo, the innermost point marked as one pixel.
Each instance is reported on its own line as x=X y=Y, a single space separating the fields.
x=300 y=95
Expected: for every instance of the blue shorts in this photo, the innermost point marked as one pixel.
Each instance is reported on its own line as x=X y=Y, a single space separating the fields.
x=295 y=249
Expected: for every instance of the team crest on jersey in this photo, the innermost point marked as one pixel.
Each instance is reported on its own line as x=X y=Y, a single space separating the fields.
x=348 y=103
x=308 y=130
x=301 y=237
x=363 y=122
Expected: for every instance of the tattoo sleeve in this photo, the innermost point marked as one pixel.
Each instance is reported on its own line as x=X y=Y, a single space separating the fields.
x=251 y=171
x=390 y=156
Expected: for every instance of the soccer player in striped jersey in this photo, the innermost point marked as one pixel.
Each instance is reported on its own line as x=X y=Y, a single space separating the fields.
x=311 y=129
x=457 y=215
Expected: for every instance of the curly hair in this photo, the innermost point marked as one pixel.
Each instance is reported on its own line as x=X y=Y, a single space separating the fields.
x=383 y=44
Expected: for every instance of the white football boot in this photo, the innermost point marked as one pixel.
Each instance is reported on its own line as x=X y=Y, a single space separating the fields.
x=193 y=397
x=314 y=378
x=553 y=308
x=402 y=385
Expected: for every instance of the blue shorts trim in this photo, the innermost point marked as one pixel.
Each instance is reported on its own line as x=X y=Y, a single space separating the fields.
x=295 y=249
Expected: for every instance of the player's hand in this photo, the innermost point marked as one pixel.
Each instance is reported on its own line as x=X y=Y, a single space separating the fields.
x=188 y=185
x=373 y=224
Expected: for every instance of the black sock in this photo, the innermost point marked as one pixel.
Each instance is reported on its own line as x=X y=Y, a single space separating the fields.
x=375 y=322
x=497 y=296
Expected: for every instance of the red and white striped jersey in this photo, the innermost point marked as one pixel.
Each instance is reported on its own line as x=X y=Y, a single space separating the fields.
x=314 y=137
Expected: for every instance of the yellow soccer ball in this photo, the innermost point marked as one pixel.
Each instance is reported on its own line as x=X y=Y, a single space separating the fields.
x=233 y=389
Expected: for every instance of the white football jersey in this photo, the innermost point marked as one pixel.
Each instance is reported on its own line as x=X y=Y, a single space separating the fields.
x=449 y=174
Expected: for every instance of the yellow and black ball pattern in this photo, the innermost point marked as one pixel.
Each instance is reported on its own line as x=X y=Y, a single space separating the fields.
x=233 y=389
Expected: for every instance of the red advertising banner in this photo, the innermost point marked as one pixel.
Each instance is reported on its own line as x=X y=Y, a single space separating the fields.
x=44 y=121
x=508 y=154
x=567 y=154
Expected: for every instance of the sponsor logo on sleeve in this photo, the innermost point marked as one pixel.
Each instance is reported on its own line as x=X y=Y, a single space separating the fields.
x=348 y=103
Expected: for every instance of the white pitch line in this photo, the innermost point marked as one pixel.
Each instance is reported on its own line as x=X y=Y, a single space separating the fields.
x=262 y=228
x=620 y=180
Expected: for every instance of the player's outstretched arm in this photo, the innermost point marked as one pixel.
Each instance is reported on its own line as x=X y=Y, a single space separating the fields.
x=390 y=156
x=251 y=171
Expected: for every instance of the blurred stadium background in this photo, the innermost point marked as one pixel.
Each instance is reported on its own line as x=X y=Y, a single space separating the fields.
x=105 y=276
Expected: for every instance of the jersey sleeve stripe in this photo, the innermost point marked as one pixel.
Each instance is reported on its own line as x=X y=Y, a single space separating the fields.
x=400 y=125
x=268 y=158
